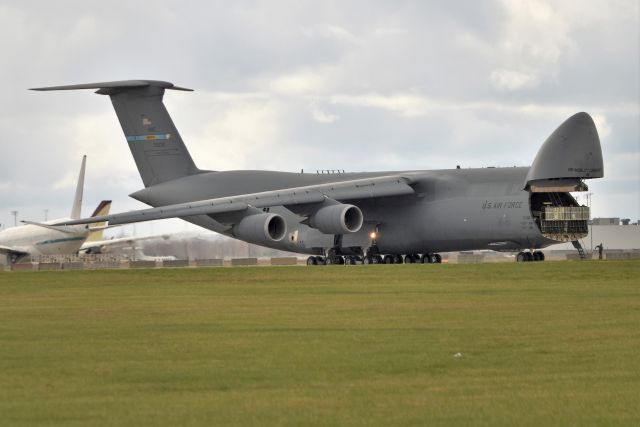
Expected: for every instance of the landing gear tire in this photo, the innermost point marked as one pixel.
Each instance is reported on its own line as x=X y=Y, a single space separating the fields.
x=411 y=259
x=397 y=259
x=320 y=260
x=336 y=259
x=312 y=261
x=427 y=259
x=437 y=258
x=538 y=256
x=375 y=259
x=389 y=259
x=528 y=256
x=350 y=260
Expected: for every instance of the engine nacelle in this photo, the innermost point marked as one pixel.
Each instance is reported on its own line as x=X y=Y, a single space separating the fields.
x=337 y=219
x=263 y=228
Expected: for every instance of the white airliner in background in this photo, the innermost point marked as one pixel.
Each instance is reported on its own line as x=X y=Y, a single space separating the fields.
x=35 y=239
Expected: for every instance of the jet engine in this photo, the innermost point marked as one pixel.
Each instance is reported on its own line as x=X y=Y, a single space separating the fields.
x=263 y=228
x=337 y=219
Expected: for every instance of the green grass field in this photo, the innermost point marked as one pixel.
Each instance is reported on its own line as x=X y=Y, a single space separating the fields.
x=554 y=343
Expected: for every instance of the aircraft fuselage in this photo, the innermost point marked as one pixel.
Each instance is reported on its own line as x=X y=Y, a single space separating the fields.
x=452 y=210
x=36 y=240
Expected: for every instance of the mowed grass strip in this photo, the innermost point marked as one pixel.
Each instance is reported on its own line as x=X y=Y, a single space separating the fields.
x=553 y=343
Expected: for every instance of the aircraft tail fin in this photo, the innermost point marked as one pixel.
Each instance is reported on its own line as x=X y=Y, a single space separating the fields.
x=154 y=141
x=102 y=210
x=76 y=209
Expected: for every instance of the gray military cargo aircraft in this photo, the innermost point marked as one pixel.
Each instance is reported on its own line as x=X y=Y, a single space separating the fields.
x=372 y=217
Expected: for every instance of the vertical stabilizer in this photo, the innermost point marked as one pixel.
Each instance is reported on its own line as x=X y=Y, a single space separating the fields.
x=154 y=141
x=77 y=201
x=102 y=210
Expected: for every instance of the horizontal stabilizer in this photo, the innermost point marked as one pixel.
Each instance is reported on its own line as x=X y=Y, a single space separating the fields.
x=116 y=85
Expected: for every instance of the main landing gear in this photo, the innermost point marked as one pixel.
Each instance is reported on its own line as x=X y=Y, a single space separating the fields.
x=530 y=256
x=423 y=259
x=373 y=258
x=335 y=260
x=370 y=255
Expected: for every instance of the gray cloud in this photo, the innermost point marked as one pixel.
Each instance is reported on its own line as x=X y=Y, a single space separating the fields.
x=350 y=85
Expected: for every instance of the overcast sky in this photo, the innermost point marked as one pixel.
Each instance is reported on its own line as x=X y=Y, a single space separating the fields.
x=290 y=85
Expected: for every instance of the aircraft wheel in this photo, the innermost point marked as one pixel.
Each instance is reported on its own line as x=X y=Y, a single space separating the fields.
x=367 y=260
x=408 y=259
x=350 y=260
x=437 y=258
x=528 y=256
x=320 y=260
x=334 y=260
x=520 y=257
x=541 y=255
x=397 y=259
x=312 y=261
x=378 y=259
x=389 y=259
x=536 y=256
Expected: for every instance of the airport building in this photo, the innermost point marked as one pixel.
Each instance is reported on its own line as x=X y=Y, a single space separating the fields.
x=619 y=240
x=611 y=232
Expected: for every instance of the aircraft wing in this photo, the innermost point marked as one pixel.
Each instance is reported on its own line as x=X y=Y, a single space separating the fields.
x=7 y=250
x=101 y=246
x=54 y=227
x=359 y=189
